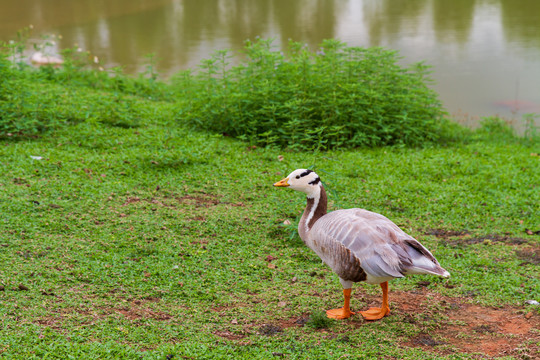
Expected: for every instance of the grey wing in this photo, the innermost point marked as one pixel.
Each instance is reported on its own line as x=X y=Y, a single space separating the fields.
x=366 y=235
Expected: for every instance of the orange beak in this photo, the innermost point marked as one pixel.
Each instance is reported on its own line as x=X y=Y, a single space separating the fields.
x=282 y=183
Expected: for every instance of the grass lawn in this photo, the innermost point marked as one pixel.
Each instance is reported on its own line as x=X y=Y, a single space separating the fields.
x=156 y=242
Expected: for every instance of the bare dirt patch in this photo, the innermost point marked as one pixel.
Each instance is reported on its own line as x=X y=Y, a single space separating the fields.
x=197 y=218
x=470 y=328
x=205 y=200
x=131 y=200
x=463 y=237
x=143 y=313
x=229 y=335
x=450 y=325
x=197 y=199
x=270 y=329
x=134 y=310
x=442 y=233
x=529 y=255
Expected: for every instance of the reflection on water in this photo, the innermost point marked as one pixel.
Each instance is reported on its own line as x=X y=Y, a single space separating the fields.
x=521 y=24
x=485 y=53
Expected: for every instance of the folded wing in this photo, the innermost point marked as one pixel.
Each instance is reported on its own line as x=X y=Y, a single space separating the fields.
x=353 y=241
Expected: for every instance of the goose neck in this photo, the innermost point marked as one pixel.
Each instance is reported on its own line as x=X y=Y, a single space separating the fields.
x=316 y=207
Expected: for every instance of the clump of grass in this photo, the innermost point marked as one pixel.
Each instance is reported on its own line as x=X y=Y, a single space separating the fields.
x=319 y=320
x=496 y=129
x=33 y=101
x=495 y=126
x=337 y=97
x=531 y=130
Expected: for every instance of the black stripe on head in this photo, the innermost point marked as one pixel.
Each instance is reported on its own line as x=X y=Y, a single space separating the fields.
x=315 y=182
x=307 y=172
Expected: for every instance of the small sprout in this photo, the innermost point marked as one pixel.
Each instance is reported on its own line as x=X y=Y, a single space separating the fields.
x=319 y=320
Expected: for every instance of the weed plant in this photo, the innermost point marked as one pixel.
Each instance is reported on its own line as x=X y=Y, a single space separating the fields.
x=319 y=320
x=337 y=97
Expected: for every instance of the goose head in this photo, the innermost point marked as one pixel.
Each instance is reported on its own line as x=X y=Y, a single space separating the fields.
x=306 y=181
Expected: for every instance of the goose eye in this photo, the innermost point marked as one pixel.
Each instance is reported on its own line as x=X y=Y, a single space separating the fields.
x=298 y=176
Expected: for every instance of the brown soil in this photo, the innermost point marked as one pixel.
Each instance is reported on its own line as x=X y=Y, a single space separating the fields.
x=470 y=328
x=229 y=335
x=529 y=255
x=463 y=237
x=453 y=325
x=134 y=310
x=138 y=313
x=448 y=325
x=198 y=199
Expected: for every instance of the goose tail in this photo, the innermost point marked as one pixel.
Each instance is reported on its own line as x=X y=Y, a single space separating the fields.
x=436 y=270
x=421 y=261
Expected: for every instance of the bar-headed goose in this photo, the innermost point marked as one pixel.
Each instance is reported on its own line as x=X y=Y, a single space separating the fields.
x=358 y=245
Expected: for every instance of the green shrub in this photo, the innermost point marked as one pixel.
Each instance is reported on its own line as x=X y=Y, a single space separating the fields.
x=338 y=97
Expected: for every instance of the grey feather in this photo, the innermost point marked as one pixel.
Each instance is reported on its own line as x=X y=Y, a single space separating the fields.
x=378 y=246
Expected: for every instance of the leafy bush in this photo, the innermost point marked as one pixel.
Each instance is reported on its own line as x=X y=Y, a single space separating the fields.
x=337 y=97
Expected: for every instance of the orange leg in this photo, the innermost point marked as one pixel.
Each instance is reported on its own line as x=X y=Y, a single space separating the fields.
x=379 y=313
x=345 y=312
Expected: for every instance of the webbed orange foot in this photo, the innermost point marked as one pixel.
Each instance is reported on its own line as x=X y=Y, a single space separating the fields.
x=339 y=313
x=375 y=313
x=378 y=313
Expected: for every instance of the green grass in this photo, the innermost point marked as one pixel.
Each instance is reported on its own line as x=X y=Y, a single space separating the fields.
x=154 y=241
x=134 y=236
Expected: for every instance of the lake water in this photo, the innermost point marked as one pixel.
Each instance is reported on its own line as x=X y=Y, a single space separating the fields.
x=485 y=53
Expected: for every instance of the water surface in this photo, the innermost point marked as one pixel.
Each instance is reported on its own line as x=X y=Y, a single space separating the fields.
x=485 y=53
